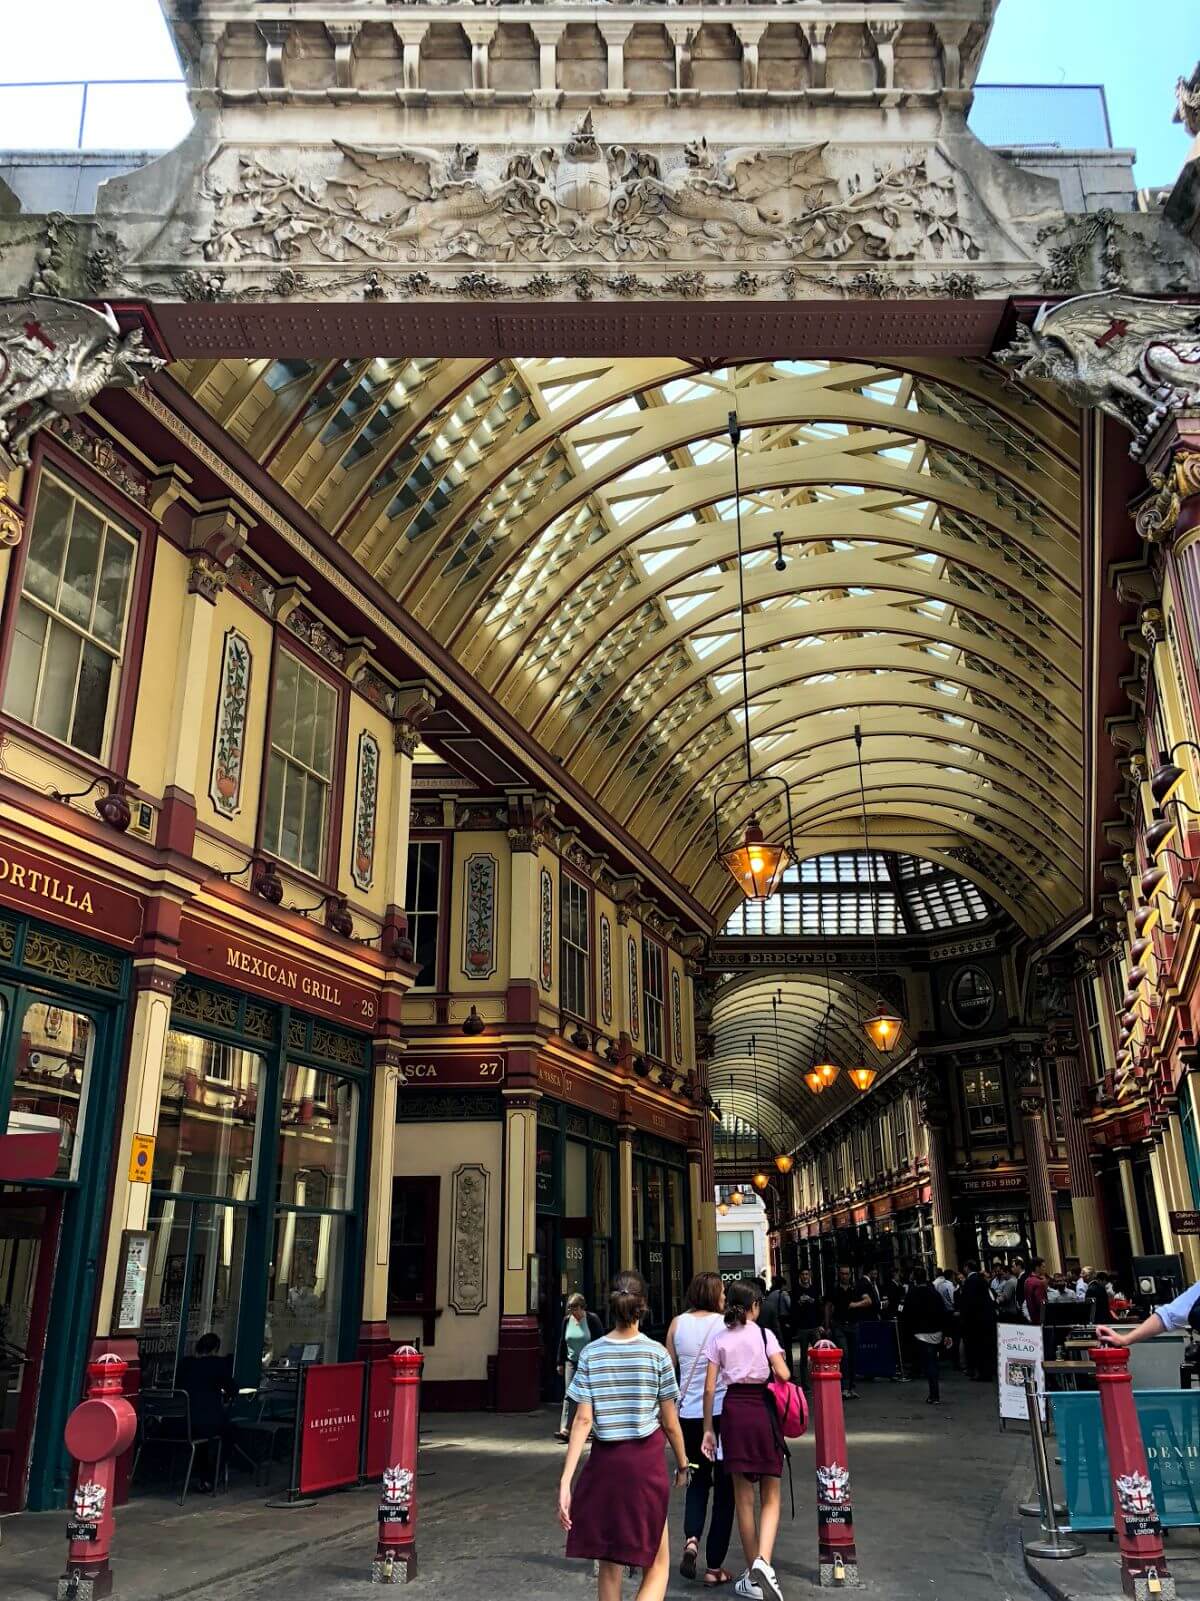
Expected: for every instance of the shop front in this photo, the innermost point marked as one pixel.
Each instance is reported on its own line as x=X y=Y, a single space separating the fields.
x=993 y=1217
x=63 y=996
x=661 y=1226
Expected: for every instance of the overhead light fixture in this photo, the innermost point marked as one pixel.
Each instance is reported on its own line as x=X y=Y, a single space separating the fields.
x=784 y=1163
x=827 y=1071
x=862 y=1077
x=737 y=1198
x=884 y=1026
x=760 y=1181
x=723 y=1208
x=1160 y=831
x=755 y=864
x=1164 y=781
x=814 y=1081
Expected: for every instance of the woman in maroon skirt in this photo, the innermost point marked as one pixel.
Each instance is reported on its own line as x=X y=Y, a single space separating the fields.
x=745 y=1356
x=625 y=1395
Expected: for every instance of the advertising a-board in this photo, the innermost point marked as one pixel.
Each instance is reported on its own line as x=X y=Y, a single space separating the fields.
x=1019 y=1351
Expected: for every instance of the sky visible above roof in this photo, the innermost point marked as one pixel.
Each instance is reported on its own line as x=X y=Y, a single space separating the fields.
x=1034 y=42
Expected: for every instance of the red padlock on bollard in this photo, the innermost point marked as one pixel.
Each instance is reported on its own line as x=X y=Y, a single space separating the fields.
x=98 y=1431
x=1144 y=1571
x=836 y=1552
x=396 y=1553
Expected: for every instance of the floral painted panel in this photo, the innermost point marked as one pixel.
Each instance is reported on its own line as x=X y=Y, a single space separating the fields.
x=366 y=811
x=546 y=946
x=229 y=734
x=635 y=998
x=606 y=1004
x=479 y=915
x=469 y=1250
x=676 y=1014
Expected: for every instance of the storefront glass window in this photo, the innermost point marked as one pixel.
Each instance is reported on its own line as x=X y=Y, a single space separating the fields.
x=575 y=1201
x=21 y=1230
x=675 y=1211
x=207 y=1118
x=316 y=1138
x=194 y=1285
x=53 y=1068
x=424 y=896
x=654 y=995
x=575 y=955
x=305 y=1286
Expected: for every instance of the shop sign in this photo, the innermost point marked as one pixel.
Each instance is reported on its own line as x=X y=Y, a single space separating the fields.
x=1170 y=1425
x=331 y=1420
x=453 y=1069
x=1185 y=1222
x=903 y=1200
x=141 y=1159
x=578 y=1090
x=45 y=888
x=1019 y=1351
x=245 y=965
x=988 y=1183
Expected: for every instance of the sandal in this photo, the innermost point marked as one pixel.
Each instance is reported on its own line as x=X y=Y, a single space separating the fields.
x=715 y=1577
x=687 y=1563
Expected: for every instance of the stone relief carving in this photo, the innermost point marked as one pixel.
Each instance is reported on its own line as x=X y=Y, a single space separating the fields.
x=1137 y=360
x=352 y=203
x=1187 y=101
x=468 y=1251
x=55 y=358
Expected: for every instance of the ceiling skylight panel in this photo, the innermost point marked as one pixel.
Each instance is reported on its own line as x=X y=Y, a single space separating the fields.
x=680 y=605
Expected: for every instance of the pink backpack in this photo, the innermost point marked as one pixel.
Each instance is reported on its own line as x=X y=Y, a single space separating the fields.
x=788 y=1398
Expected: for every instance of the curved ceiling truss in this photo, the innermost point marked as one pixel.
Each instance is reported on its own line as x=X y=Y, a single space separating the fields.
x=567 y=528
x=770 y=1094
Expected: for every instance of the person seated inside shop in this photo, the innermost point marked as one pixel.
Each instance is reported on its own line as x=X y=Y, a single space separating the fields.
x=207 y=1380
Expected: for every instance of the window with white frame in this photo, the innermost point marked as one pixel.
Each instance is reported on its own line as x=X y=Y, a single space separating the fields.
x=70 y=629
x=304 y=711
x=900 y=1133
x=575 y=941
x=424 y=897
x=654 y=997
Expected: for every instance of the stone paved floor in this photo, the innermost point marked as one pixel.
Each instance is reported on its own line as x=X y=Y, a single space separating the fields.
x=934 y=1502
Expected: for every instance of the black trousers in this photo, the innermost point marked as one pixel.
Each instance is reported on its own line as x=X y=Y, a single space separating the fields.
x=707 y=1477
x=847 y=1339
x=929 y=1357
x=979 y=1344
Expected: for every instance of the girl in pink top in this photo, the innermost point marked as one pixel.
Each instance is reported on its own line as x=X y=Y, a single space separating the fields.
x=746 y=1356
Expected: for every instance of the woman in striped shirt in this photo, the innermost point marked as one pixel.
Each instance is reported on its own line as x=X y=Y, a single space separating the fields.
x=625 y=1396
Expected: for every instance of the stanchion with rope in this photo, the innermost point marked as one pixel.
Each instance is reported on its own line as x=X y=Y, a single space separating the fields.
x=837 y=1555
x=98 y=1431
x=396 y=1551
x=1144 y=1572
x=1055 y=1544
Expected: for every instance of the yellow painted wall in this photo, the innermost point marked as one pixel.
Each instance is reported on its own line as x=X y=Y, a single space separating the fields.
x=462 y=1343
x=156 y=688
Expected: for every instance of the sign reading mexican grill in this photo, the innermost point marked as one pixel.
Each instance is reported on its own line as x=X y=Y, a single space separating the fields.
x=245 y=965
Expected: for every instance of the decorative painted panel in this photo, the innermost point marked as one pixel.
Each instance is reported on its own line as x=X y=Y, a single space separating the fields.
x=468 y=1247
x=635 y=995
x=229 y=734
x=366 y=808
x=676 y=1015
x=606 y=990
x=479 y=915
x=546 y=953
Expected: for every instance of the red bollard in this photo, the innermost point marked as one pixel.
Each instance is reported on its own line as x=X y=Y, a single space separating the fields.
x=1144 y=1572
x=836 y=1553
x=396 y=1554
x=98 y=1431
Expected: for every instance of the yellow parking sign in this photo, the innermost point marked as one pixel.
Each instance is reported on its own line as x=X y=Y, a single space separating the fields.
x=141 y=1159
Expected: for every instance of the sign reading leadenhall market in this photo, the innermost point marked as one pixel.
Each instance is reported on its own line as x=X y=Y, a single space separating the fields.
x=389 y=151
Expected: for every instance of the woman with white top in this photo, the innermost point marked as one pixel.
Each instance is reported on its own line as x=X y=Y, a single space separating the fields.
x=686 y=1340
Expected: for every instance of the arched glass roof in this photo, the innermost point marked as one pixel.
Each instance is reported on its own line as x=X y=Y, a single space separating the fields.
x=857 y=893
x=566 y=528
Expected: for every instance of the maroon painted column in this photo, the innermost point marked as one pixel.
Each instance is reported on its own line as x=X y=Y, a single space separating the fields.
x=1144 y=1570
x=97 y=1432
x=836 y=1553
x=396 y=1552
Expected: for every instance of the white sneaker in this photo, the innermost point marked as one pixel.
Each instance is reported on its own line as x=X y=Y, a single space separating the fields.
x=765 y=1574
x=747 y=1587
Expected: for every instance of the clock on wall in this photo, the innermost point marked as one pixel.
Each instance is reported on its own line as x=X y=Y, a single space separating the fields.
x=972 y=997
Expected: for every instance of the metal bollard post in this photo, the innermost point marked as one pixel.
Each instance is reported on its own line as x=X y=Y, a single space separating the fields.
x=97 y=1432
x=1054 y=1544
x=837 y=1555
x=1144 y=1571
x=396 y=1552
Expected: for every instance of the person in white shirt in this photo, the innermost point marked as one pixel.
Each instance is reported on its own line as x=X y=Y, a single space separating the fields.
x=1181 y=1313
x=1081 y=1284
x=687 y=1339
x=945 y=1288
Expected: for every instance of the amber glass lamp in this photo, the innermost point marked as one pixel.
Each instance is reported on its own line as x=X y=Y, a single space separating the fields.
x=723 y=1208
x=760 y=1181
x=862 y=1077
x=737 y=1197
x=756 y=866
x=784 y=1163
x=883 y=1027
x=827 y=1071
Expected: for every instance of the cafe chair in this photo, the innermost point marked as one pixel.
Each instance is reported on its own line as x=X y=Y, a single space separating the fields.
x=165 y=1423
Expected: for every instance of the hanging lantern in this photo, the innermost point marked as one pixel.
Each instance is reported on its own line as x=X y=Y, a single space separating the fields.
x=883 y=1027
x=862 y=1077
x=723 y=1208
x=784 y=1163
x=737 y=1197
x=827 y=1071
x=756 y=866
x=760 y=1181
x=814 y=1081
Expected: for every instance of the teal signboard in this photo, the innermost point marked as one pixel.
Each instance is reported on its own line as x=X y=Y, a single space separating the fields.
x=1170 y=1424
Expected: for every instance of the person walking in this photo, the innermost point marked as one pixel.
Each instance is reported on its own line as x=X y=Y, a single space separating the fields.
x=847 y=1305
x=1004 y=1288
x=806 y=1319
x=777 y=1316
x=977 y=1308
x=580 y=1328
x=752 y=1447
x=927 y=1322
x=687 y=1339
x=625 y=1396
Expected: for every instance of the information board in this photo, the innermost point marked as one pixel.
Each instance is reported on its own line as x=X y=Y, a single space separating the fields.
x=1019 y=1350
x=1170 y=1425
x=331 y=1419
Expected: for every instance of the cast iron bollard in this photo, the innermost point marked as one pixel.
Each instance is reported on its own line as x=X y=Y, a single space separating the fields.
x=1144 y=1572
x=836 y=1553
x=97 y=1432
x=1054 y=1545
x=396 y=1553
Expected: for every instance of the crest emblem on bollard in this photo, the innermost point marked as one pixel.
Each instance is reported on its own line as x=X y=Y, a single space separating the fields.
x=397 y=1486
x=833 y=1484
x=1137 y=1495
x=89 y=1501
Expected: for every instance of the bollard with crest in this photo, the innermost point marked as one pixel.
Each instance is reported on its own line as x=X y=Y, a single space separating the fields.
x=396 y=1552
x=836 y=1552
x=1144 y=1572
x=99 y=1430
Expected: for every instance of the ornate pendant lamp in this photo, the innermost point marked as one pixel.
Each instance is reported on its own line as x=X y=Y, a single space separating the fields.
x=784 y=1162
x=759 y=1179
x=755 y=864
x=884 y=1026
x=861 y=1076
x=825 y=1067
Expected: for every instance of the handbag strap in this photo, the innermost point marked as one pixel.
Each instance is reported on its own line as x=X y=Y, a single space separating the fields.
x=695 y=1365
